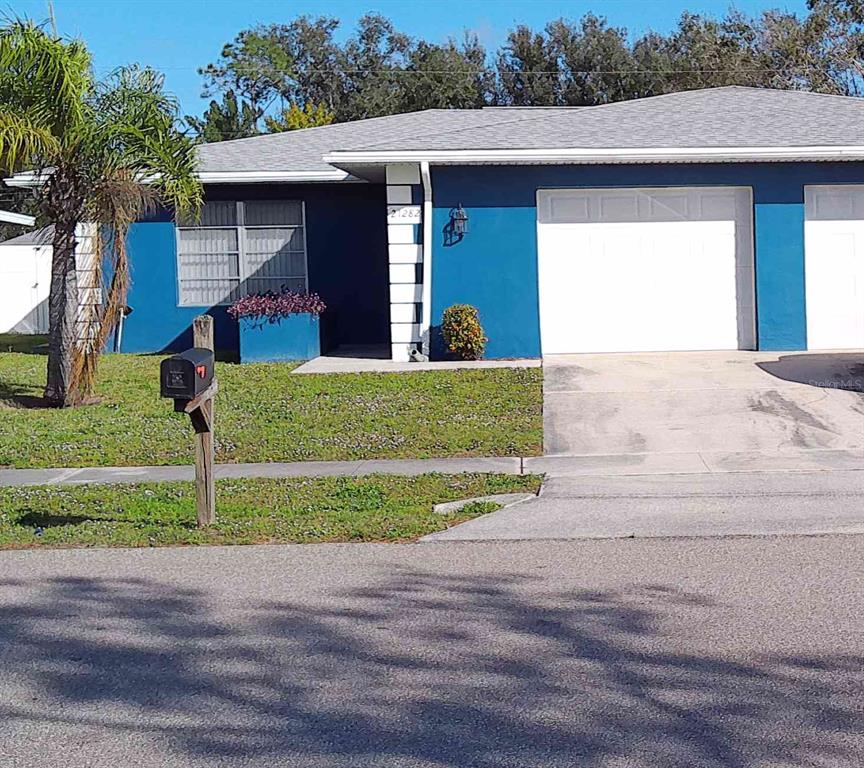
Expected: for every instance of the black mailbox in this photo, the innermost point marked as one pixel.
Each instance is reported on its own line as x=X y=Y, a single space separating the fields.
x=187 y=375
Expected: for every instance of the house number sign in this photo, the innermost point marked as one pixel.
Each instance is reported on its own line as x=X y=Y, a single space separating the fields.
x=403 y=214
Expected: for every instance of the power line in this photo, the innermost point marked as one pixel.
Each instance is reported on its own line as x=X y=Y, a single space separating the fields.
x=492 y=70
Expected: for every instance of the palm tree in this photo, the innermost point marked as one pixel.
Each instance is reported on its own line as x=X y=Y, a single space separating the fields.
x=102 y=153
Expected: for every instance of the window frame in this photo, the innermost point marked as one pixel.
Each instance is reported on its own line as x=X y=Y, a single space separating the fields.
x=240 y=227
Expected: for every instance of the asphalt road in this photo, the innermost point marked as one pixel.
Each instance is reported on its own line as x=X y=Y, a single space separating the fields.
x=678 y=653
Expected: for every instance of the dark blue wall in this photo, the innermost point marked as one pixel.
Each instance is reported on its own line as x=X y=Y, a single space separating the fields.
x=346 y=244
x=494 y=266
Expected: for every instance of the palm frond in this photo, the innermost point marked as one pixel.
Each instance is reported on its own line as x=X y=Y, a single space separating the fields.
x=141 y=126
x=44 y=74
x=25 y=142
x=117 y=202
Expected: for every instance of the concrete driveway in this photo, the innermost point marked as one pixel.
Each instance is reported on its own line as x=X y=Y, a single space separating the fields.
x=703 y=403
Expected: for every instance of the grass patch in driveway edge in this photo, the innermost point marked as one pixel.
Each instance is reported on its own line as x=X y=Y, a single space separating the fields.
x=375 y=508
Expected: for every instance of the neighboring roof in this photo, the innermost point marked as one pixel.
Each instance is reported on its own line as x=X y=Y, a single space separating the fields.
x=43 y=236
x=13 y=217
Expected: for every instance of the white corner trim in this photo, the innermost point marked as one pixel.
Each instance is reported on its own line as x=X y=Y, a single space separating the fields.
x=588 y=155
x=405 y=173
x=426 y=311
x=17 y=218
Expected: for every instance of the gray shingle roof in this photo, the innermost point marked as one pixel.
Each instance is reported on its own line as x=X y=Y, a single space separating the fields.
x=715 y=117
x=302 y=150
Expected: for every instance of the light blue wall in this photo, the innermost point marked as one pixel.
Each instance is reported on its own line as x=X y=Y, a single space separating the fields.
x=495 y=266
x=346 y=244
x=157 y=324
x=781 y=309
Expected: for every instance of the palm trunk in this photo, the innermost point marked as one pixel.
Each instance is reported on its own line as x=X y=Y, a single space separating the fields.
x=62 y=317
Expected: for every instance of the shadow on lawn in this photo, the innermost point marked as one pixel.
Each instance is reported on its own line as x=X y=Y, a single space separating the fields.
x=33 y=519
x=491 y=676
x=15 y=395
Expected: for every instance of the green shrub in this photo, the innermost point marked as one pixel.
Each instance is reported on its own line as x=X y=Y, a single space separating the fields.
x=462 y=332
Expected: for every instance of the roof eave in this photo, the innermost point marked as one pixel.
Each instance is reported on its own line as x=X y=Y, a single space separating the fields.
x=29 y=179
x=263 y=177
x=608 y=155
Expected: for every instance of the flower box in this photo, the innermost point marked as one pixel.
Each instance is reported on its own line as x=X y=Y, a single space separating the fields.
x=295 y=337
x=277 y=327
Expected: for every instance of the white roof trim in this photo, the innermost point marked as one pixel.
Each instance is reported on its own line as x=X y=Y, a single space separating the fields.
x=252 y=177
x=587 y=155
x=26 y=179
x=30 y=179
x=17 y=218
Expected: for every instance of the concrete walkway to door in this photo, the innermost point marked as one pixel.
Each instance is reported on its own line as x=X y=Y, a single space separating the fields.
x=635 y=407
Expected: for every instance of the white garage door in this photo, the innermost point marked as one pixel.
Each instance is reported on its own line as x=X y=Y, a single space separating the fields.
x=630 y=270
x=834 y=247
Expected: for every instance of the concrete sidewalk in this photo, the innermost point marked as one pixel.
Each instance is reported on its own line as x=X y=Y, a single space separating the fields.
x=614 y=466
x=111 y=475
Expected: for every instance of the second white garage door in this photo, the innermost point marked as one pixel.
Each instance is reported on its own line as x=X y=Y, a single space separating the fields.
x=640 y=270
x=834 y=247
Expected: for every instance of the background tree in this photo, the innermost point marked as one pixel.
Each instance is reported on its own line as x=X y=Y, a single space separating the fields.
x=380 y=71
x=447 y=76
x=527 y=70
x=107 y=151
x=292 y=63
x=229 y=119
x=372 y=63
x=294 y=118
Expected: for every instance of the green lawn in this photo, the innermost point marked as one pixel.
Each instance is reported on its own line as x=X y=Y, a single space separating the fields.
x=265 y=414
x=302 y=510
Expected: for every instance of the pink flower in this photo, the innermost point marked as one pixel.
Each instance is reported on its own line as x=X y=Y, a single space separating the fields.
x=272 y=306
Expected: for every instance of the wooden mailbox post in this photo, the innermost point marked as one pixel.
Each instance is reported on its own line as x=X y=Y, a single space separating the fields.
x=201 y=413
x=189 y=378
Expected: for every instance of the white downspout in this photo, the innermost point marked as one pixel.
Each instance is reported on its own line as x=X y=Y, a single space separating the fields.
x=426 y=315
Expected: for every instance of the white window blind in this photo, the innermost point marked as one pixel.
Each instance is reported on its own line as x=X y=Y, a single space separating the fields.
x=237 y=248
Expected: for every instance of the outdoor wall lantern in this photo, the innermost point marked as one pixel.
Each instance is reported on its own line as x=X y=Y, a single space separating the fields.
x=458 y=221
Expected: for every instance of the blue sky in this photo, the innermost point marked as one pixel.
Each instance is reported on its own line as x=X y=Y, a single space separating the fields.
x=178 y=36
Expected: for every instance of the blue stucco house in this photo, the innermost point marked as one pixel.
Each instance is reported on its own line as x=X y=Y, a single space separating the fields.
x=727 y=218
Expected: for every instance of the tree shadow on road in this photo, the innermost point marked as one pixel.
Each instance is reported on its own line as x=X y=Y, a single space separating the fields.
x=420 y=669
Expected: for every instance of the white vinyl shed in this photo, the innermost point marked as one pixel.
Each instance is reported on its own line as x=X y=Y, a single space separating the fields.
x=25 y=279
